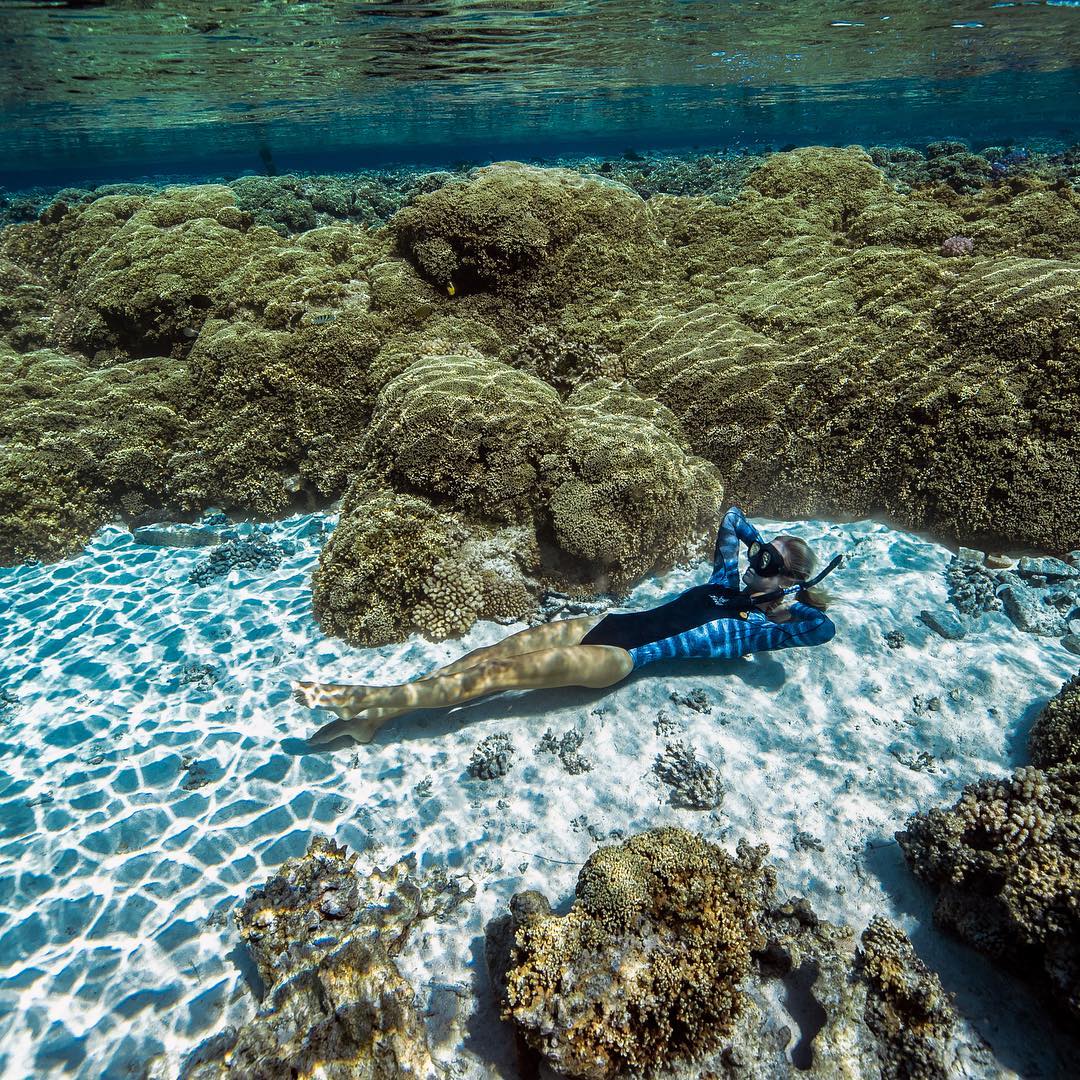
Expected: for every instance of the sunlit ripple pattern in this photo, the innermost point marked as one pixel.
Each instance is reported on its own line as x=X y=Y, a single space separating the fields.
x=153 y=772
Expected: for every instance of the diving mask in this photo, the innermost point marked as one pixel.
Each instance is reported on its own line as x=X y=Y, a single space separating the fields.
x=766 y=560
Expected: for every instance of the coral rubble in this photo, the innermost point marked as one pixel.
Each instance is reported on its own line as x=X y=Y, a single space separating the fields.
x=336 y=1006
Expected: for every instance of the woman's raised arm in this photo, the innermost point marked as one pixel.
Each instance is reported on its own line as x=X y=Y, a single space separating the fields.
x=733 y=529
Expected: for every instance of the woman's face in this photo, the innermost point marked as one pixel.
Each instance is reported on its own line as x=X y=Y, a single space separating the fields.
x=755 y=584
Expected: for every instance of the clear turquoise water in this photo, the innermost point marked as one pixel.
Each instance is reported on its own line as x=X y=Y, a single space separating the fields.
x=95 y=92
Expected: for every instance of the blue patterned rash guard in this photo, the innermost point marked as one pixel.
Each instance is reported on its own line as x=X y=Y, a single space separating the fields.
x=691 y=627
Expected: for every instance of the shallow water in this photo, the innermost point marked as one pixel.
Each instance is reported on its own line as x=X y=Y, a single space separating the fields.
x=154 y=766
x=115 y=91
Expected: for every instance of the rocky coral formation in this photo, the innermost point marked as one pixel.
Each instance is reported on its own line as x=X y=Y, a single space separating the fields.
x=1055 y=736
x=625 y=982
x=603 y=479
x=395 y=564
x=516 y=229
x=671 y=919
x=336 y=1006
x=906 y=1007
x=77 y=439
x=1006 y=859
x=605 y=367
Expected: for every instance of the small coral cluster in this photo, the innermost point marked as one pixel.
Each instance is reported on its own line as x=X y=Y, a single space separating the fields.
x=492 y=757
x=1006 y=857
x=694 y=784
x=972 y=586
x=1055 y=736
x=906 y=1007
x=566 y=749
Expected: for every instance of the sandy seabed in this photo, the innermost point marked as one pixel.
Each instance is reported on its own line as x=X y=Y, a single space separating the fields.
x=154 y=769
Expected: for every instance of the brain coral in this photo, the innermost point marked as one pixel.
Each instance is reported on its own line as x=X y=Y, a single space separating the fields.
x=1006 y=859
x=508 y=225
x=467 y=429
x=645 y=968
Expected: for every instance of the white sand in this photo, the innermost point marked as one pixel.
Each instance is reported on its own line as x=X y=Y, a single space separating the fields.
x=107 y=882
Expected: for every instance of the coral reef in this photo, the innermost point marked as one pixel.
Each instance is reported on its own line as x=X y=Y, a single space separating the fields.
x=323 y=940
x=605 y=370
x=75 y=437
x=491 y=758
x=604 y=476
x=954 y=164
x=625 y=982
x=1006 y=859
x=671 y=920
x=694 y=784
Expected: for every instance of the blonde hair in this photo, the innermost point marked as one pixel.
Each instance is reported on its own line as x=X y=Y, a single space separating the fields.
x=802 y=564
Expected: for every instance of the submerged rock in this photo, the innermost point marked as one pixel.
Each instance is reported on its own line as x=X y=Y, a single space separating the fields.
x=1039 y=611
x=323 y=940
x=1048 y=567
x=674 y=958
x=944 y=623
x=176 y=535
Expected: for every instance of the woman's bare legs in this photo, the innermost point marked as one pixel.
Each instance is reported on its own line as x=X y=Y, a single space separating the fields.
x=363 y=721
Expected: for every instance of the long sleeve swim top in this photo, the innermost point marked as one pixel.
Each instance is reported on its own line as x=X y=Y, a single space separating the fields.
x=731 y=637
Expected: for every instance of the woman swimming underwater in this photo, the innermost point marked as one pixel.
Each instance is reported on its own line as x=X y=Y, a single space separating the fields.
x=716 y=619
